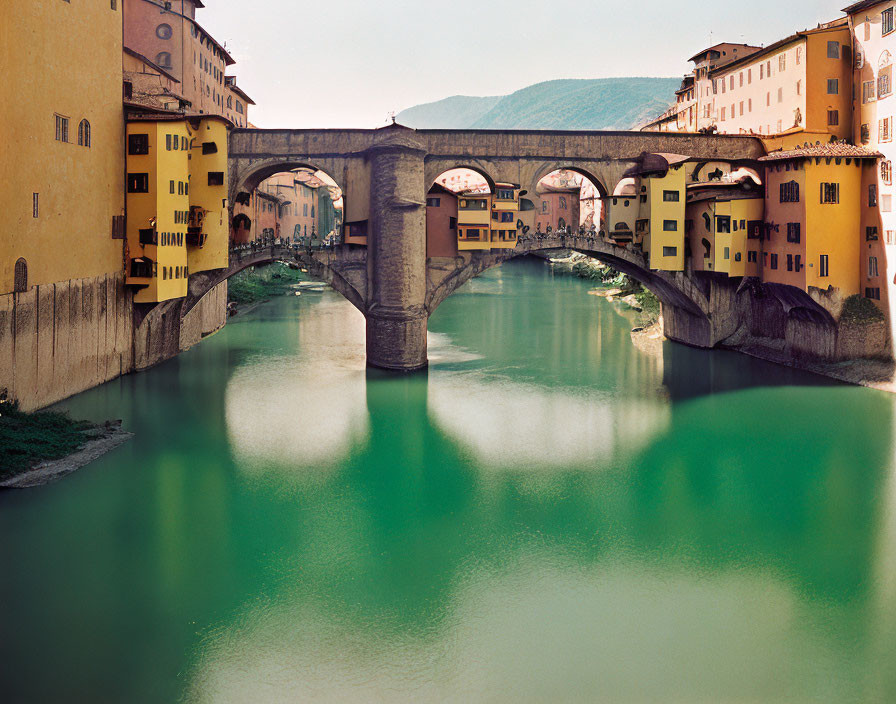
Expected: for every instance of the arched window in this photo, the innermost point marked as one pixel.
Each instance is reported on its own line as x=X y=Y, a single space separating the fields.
x=84 y=133
x=163 y=31
x=21 y=277
x=163 y=59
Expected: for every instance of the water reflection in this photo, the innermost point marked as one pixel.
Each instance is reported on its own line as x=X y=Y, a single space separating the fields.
x=287 y=527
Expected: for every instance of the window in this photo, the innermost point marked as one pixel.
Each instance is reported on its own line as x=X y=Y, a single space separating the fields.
x=670 y=251
x=563 y=204
x=886 y=203
x=797 y=262
x=833 y=86
x=727 y=253
x=164 y=31
x=138 y=183
x=20 y=277
x=774 y=261
x=885 y=129
x=209 y=147
x=790 y=192
x=138 y=144
x=830 y=193
x=753 y=257
x=782 y=62
x=824 y=268
x=885 y=82
x=171 y=187
x=886 y=21
x=168 y=145
x=61 y=128
x=671 y=196
x=780 y=98
x=789 y=262
x=163 y=59
x=871 y=234
x=872 y=196
x=868 y=94
x=723 y=224
x=84 y=133
x=180 y=188
x=833 y=50
x=35 y=205
x=799 y=55
x=430 y=203
x=866 y=134
x=507 y=217
x=891 y=237
x=872 y=267
x=872 y=293
x=793 y=232
x=670 y=225
x=215 y=178
x=505 y=194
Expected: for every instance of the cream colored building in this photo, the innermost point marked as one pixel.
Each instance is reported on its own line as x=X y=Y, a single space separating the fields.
x=873 y=27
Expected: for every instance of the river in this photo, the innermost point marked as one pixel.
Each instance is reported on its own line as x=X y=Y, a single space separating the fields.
x=550 y=514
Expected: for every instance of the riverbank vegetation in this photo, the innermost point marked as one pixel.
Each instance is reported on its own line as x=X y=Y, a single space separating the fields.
x=623 y=286
x=262 y=283
x=29 y=438
x=861 y=311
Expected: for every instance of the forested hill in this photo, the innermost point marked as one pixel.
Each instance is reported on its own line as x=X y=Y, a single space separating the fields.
x=567 y=104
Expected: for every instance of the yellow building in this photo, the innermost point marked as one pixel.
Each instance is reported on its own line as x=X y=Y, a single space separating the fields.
x=737 y=224
x=505 y=214
x=208 y=232
x=474 y=221
x=177 y=202
x=814 y=214
x=663 y=191
x=61 y=147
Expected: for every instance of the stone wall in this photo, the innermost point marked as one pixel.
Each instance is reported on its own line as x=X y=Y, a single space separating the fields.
x=59 y=339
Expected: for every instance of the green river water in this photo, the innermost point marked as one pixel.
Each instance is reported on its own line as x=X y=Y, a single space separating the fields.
x=549 y=515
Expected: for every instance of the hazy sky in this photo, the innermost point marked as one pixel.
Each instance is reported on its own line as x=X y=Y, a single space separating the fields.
x=348 y=63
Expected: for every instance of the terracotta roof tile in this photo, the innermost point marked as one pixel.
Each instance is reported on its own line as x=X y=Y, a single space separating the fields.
x=831 y=149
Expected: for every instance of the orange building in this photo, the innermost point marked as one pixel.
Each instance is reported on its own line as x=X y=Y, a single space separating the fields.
x=814 y=212
x=441 y=222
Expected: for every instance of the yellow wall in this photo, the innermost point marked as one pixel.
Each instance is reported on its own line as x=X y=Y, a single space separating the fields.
x=834 y=229
x=478 y=218
x=163 y=166
x=744 y=211
x=211 y=200
x=662 y=211
x=64 y=58
x=509 y=239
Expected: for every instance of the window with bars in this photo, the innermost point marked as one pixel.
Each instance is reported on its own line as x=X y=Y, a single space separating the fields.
x=872 y=268
x=61 y=128
x=790 y=192
x=830 y=193
x=885 y=129
x=833 y=50
x=824 y=265
x=886 y=172
x=886 y=21
x=84 y=133
x=793 y=232
x=871 y=234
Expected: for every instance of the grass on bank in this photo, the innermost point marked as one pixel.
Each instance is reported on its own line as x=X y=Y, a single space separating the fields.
x=262 y=283
x=605 y=276
x=29 y=438
x=860 y=310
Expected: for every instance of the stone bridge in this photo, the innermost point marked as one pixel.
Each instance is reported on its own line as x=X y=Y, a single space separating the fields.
x=385 y=175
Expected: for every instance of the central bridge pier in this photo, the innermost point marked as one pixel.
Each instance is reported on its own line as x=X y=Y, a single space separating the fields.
x=396 y=310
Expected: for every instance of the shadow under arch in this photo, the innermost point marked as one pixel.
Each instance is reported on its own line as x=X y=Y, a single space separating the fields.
x=548 y=168
x=249 y=178
x=436 y=170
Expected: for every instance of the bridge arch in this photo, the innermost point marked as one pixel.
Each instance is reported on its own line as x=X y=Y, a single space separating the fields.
x=674 y=290
x=436 y=169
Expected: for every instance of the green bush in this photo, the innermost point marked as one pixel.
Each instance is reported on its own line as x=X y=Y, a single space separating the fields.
x=860 y=310
x=27 y=438
x=256 y=285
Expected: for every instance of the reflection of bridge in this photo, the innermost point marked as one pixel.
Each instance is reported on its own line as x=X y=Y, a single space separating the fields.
x=385 y=175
